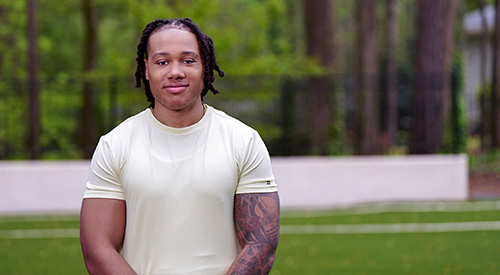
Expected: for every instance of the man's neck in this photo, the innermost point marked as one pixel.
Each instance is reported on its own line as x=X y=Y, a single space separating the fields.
x=179 y=118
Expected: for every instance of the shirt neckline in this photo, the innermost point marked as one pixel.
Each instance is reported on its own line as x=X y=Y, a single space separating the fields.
x=183 y=130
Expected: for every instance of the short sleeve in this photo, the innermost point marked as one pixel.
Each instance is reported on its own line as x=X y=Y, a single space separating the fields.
x=256 y=175
x=104 y=178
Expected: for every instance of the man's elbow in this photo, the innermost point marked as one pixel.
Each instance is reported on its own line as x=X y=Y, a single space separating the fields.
x=268 y=255
x=96 y=259
x=91 y=265
x=268 y=251
x=93 y=261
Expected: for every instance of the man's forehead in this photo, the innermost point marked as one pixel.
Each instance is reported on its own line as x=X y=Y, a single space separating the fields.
x=172 y=26
x=160 y=40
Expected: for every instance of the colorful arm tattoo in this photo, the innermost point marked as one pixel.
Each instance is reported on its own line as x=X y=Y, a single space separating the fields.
x=257 y=226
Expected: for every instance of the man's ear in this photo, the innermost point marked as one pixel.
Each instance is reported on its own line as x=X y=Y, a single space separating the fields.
x=146 y=69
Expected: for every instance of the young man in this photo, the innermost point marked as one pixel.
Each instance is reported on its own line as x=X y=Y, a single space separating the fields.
x=180 y=188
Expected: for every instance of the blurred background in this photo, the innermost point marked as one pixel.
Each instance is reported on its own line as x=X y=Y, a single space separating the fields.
x=315 y=78
x=323 y=77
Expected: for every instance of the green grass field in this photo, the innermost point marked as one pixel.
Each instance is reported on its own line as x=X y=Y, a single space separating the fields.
x=425 y=238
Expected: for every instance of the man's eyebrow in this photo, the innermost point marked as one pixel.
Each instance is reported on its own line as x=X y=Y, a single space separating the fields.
x=159 y=54
x=184 y=53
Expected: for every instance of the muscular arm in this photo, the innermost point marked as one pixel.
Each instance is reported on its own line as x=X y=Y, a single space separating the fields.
x=102 y=226
x=257 y=228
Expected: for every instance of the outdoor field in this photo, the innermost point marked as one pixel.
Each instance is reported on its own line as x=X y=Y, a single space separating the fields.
x=416 y=238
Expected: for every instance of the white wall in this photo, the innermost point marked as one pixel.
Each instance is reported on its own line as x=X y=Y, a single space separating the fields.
x=42 y=186
x=58 y=186
x=325 y=182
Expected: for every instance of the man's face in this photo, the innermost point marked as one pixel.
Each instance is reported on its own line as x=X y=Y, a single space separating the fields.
x=174 y=69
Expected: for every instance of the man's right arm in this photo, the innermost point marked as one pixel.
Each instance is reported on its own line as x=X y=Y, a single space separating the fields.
x=102 y=227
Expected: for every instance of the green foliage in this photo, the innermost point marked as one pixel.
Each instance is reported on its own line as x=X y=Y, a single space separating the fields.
x=471 y=5
x=13 y=44
x=257 y=39
x=486 y=163
x=456 y=131
x=12 y=106
x=60 y=44
x=58 y=118
x=406 y=43
x=252 y=37
x=338 y=141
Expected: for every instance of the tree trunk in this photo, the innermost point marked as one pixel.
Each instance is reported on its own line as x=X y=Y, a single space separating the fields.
x=483 y=124
x=450 y=24
x=495 y=89
x=367 y=67
x=34 y=84
x=88 y=135
x=430 y=78
x=320 y=47
x=392 y=81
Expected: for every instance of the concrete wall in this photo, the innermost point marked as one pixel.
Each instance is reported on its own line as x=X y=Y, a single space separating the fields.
x=326 y=182
x=42 y=186
x=58 y=186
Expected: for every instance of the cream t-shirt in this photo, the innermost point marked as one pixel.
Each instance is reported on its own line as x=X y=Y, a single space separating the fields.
x=179 y=186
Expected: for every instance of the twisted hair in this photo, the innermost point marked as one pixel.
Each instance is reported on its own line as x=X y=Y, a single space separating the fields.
x=205 y=44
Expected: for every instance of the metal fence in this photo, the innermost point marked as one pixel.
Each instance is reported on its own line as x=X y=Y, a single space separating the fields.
x=273 y=105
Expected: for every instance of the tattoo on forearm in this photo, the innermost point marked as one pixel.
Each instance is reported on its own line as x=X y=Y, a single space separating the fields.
x=257 y=226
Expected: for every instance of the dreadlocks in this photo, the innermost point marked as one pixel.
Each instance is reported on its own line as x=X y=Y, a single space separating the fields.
x=205 y=44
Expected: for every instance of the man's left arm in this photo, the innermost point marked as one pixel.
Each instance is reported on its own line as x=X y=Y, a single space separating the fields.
x=257 y=221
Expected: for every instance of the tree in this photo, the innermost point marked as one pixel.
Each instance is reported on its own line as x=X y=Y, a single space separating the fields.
x=495 y=89
x=391 y=71
x=319 y=28
x=13 y=43
x=88 y=135
x=482 y=77
x=3 y=39
x=450 y=98
x=367 y=67
x=435 y=29
x=451 y=12
x=34 y=84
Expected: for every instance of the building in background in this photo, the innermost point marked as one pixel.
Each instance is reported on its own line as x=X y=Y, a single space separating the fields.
x=473 y=30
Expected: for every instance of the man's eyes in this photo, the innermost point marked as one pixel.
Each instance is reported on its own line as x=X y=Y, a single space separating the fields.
x=188 y=61
x=185 y=61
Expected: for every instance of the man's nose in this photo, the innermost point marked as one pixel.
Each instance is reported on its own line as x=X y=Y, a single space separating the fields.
x=175 y=71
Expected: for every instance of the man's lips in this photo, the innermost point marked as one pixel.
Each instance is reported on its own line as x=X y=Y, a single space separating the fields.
x=175 y=88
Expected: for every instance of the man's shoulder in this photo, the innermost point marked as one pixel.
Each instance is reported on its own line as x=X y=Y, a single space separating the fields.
x=129 y=125
x=230 y=122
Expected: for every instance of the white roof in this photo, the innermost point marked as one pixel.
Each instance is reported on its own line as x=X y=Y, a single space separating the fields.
x=472 y=20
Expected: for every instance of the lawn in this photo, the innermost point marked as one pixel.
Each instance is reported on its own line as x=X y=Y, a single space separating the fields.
x=39 y=255
x=414 y=253
x=452 y=251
